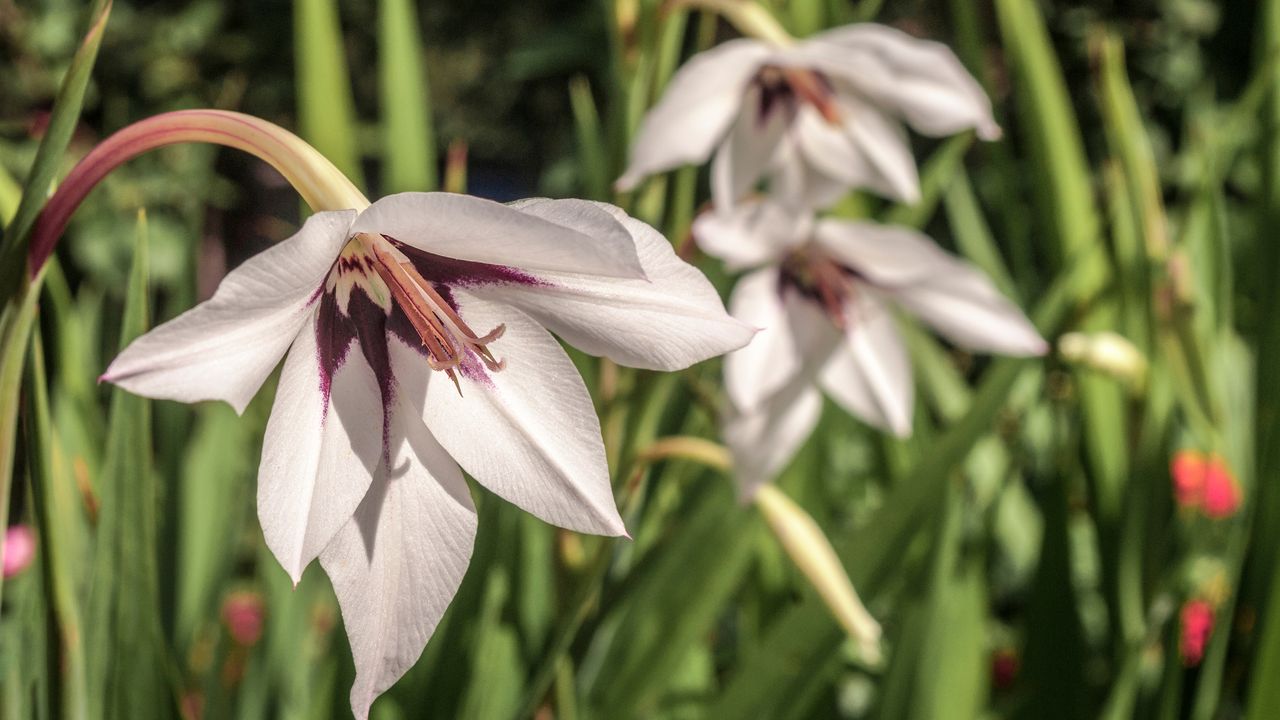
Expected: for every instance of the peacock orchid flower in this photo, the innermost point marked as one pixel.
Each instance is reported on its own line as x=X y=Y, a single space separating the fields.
x=414 y=332
x=815 y=117
x=822 y=292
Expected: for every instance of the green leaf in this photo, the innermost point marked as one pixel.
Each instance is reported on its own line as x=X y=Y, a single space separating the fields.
x=126 y=641
x=326 y=111
x=663 y=614
x=213 y=492
x=1064 y=188
x=18 y=298
x=61 y=537
x=408 y=137
x=49 y=156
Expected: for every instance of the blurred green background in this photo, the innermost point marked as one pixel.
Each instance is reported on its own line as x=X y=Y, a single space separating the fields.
x=1024 y=550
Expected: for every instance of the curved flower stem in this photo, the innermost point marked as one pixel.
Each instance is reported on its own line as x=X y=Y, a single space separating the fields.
x=321 y=185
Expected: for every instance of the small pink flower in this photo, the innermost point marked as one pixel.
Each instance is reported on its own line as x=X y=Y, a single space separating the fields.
x=1188 y=471
x=18 y=550
x=244 y=612
x=1197 y=628
x=1205 y=483
x=1221 y=491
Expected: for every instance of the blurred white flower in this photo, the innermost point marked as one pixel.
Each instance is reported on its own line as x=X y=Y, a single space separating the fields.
x=822 y=300
x=360 y=463
x=817 y=117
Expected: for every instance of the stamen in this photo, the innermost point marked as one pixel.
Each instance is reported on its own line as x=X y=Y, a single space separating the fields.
x=823 y=280
x=443 y=332
x=812 y=88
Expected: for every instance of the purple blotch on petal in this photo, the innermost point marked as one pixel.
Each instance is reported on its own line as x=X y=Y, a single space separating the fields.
x=441 y=270
x=370 y=323
x=334 y=335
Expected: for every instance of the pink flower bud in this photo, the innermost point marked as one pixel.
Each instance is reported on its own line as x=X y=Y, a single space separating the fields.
x=1221 y=492
x=1197 y=627
x=18 y=550
x=244 y=612
x=1188 y=471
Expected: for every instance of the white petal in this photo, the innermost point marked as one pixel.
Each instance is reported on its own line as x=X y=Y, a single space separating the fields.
x=868 y=150
x=397 y=564
x=747 y=152
x=700 y=103
x=798 y=184
x=919 y=80
x=471 y=228
x=945 y=291
x=869 y=375
x=528 y=432
x=764 y=440
x=318 y=458
x=224 y=348
x=752 y=234
x=668 y=322
x=795 y=337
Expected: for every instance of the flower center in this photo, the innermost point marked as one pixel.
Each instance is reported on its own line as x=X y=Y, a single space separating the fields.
x=445 y=336
x=789 y=85
x=817 y=276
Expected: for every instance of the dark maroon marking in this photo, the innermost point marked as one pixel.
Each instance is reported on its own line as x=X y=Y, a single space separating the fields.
x=334 y=335
x=774 y=97
x=370 y=322
x=446 y=271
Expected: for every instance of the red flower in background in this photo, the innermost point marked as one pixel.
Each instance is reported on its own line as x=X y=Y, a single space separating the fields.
x=1197 y=628
x=1205 y=483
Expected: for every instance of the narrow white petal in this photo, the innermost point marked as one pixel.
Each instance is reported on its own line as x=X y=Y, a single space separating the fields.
x=471 y=228
x=528 y=432
x=747 y=151
x=869 y=375
x=396 y=565
x=919 y=80
x=696 y=110
x=224 y=348
x=764 y=440
x=869 y=149
x=668 y=322
x=943 y=290
x=317 y=458
x=794 y=336
x=752 y=234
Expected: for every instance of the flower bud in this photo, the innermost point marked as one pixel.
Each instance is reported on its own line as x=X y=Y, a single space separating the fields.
x=812 y=553
x=1108 y=353
x=18 y=550
x=243 y=612
x=1197 y=628
x=1205 y=483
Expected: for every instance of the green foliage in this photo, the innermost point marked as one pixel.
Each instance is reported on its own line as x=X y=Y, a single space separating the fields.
x=1023 y=551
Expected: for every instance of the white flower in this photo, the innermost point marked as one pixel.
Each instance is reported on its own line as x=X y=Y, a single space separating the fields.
x=822 y=299
x=360 y=464
x=817 y=117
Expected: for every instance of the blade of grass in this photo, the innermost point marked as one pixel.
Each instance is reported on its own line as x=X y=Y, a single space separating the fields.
x=17 y=295
x=1064 y=188
x=326 y=111
x=58 y=507
x=62 y=122
x=408 y=139
x=127 y=644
